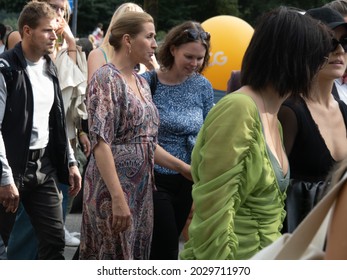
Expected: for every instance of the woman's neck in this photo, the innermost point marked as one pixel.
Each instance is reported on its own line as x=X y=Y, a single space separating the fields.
x=321 y=92
x=172 y=77
x=123 y=64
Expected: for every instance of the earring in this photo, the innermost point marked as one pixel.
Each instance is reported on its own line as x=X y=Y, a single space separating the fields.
x=129 y=51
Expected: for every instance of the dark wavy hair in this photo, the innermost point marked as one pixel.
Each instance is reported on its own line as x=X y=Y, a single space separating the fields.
x=177 y=37
x=286 y=52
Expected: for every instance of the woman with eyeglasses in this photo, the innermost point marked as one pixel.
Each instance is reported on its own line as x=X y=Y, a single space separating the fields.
x=314 y=126
x=239 y=165
x=183 y=98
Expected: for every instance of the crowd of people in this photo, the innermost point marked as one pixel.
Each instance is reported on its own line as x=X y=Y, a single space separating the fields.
x=135 y=126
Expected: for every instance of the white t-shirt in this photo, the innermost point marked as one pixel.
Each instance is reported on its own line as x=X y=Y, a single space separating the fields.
x=43 y=93
x=341 y=89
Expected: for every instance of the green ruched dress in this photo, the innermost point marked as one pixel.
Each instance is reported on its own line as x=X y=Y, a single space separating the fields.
x=239 y=206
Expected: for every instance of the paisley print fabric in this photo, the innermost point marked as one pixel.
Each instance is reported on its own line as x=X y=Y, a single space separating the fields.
x=129 y=125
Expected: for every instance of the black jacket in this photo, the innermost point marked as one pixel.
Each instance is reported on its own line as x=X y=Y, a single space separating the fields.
x=18 y=118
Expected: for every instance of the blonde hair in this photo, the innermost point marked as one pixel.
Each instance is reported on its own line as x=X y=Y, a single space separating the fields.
x=129 y=23
x=67 y=8
x=124 y=8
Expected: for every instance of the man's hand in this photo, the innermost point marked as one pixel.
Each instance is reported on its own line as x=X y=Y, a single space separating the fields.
x=85 y=143
x=74 y=180
x=9 y=197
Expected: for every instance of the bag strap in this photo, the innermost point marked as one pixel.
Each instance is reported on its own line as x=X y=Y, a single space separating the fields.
x=303 y=235
x=154 y=81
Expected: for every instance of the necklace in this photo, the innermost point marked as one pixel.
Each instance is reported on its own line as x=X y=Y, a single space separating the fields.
x=276 y=144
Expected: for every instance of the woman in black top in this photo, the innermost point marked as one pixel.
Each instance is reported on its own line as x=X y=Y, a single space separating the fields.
x=314 y=128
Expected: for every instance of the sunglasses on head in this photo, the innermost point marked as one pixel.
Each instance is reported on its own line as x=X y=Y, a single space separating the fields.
x=342 y=42
x=195 y=34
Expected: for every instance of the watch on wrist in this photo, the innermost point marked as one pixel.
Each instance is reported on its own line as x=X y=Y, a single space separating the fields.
x=73 y=163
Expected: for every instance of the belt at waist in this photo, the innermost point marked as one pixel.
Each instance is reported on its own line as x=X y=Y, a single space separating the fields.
x=34 y=155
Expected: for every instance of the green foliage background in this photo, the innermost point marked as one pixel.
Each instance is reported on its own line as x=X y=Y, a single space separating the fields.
x=166 y=13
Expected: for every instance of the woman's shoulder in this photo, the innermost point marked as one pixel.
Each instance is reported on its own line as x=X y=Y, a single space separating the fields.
x=200 y=79
x=148 y=74
x=98 y=55
x=297 y=105
x=238 y=101
x=104 y=73
x=235 y=107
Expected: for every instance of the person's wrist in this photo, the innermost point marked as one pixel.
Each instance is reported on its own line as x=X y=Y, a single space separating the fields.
x=73 y=163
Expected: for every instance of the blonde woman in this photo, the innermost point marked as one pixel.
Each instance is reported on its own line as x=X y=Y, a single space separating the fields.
x=123 y=123
x=103 y=54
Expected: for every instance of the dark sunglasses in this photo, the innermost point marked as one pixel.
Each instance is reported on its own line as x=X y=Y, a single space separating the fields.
x=342 y=42
x=195 y=34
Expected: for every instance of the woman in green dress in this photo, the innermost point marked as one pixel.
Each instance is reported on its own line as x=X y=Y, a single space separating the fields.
x=239 y=166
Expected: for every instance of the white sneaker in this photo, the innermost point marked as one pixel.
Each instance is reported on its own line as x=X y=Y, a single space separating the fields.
x=75 y=234
x=70 y=240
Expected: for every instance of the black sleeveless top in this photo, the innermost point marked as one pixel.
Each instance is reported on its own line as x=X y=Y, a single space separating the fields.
x=310 y=158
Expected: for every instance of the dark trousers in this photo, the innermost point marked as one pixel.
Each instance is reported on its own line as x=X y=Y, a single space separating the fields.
x=42 y=201
x=172 y=204
x=2 y=250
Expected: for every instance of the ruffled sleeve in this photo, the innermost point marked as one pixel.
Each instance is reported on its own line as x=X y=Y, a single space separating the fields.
x=103 y=112
x=226 y=166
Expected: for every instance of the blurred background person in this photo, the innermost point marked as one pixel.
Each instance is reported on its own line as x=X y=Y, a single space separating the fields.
x=3 y=31
x=98 y=35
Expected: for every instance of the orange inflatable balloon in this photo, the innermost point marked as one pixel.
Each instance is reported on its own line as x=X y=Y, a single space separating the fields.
x=230 y=37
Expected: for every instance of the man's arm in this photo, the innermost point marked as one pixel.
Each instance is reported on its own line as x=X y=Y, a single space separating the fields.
x=9 y=195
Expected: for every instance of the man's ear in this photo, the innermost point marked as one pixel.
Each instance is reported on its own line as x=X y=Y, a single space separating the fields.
x=27 y=30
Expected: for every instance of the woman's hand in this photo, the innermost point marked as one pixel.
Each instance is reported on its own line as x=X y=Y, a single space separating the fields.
x=64 y=30
x=121 y=218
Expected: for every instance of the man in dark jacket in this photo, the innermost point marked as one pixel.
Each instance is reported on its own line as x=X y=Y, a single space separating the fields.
x=34 y=149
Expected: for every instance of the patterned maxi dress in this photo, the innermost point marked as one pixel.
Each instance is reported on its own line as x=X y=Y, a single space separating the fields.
x=129 y=125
